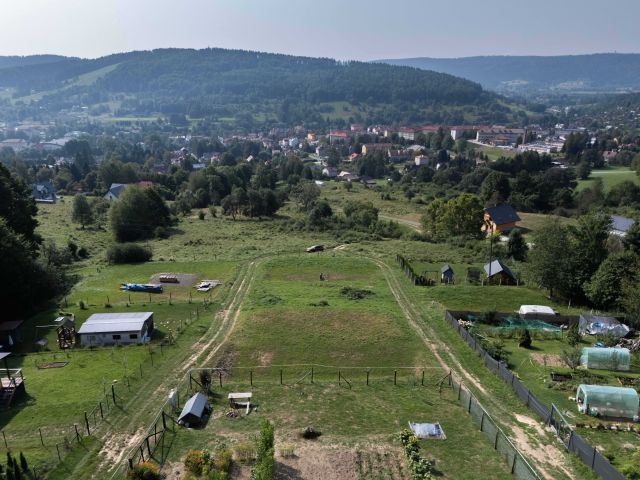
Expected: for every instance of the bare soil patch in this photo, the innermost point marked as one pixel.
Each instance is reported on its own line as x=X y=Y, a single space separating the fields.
x=340 y=463
x=551 y=360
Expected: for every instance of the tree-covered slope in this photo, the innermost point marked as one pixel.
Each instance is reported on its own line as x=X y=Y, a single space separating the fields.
x=221 y=82
x=597 y=72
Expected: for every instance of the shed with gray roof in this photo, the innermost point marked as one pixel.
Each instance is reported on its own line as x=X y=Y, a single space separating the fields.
x=116 y=328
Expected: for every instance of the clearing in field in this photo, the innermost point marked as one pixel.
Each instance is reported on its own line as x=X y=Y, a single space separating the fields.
x=336 y=355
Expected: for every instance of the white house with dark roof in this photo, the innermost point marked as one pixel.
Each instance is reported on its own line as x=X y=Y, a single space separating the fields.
x=116 y=328
x=114 y=191
x=620 y=225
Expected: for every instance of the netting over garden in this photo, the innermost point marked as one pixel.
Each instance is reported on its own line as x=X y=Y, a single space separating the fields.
x=515 y=322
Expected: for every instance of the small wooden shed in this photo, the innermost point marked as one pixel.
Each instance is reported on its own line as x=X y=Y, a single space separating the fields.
x=195 y=408
x=446 y=274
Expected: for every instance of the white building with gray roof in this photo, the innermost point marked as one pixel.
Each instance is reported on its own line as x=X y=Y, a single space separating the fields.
x=116 y=328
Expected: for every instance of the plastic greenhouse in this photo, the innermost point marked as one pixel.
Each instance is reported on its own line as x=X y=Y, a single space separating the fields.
x=606 y=401
x=605 y=358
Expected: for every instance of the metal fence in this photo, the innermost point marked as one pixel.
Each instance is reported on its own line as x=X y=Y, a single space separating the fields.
x=519 y=466
x=573 y=441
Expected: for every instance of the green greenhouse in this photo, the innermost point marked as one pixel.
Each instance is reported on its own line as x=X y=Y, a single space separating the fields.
x=606 y=358
x=606 y=401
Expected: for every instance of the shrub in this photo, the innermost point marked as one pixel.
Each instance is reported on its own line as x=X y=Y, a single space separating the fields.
x=525 y=339
x=145 y=471
x=571 y=357
x=201 y=214
x=355 y=293
x=128 y=253
x=495 y=349
x=573 y=335
x=195 y=461
x=83 y=252
x=421 y=468
x=222 y=458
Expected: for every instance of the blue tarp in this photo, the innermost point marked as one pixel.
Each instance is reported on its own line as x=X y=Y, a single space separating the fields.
x=139 y=287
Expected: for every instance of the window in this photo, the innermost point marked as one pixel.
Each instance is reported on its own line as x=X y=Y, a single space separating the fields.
x=116 y=337
x=133 y=336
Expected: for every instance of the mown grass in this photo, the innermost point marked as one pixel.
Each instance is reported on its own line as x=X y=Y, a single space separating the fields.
x=610 y=176
x=280 y=325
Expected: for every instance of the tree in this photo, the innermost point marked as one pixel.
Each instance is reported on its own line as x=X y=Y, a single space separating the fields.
x=632 y=239
x=431 y=218
x=573 y=335
x=548 y=261
x=305 y=194
x=82 y=211
x=604 y=289
x=525 y=339
x=516 y=245
x=138 y=213
x=584 y=170
x=571 y=357
x=462 y=216
x=17 y=207
x=495 y=188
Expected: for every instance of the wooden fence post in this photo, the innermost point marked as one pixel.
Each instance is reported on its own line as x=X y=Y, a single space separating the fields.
x=311 y=374
x=101 y=412
x=41 y=439
x=395 y=376
x=113 y=393
x=220 y=377
x=86 y=421
x=280 y=376
x=251 y=377
x=58 y=450
x=422 y=381
x=367 y=377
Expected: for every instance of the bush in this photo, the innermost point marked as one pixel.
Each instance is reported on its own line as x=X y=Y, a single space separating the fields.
x=128 y=253
x=525 y=339
x=195 y=461
x=201 y=214
x=145 y=471
x=573 y=335
x=83 y=252
x=421 y=468
x=355 y=293
x=571 y=357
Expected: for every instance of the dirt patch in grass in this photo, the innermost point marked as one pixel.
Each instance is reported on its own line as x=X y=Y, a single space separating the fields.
x=548 y=360
x=264 y=359
x=547 y=458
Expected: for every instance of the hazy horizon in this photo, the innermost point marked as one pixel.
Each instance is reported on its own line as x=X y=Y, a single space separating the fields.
x=357 y=30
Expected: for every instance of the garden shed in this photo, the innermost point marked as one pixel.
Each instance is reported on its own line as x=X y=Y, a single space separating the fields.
x=597 y=325
x=194 y=410
x=446 y=274
x=606 y=358
x=116 y=328
x=607 y=401
x=499 y=274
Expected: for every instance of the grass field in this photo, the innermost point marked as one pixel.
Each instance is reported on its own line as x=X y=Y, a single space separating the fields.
x=286 y=315
x=610 y=176
x=280 y=326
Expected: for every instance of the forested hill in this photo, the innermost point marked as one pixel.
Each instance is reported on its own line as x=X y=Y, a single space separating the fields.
x=604 y=72
x=223 y=83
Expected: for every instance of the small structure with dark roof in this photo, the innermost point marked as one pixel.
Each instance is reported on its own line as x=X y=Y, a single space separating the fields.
x=499 y=219
x=115 y=190
x=498 y=273
x=446 y=274
x=620 y=225
x=43 y=192
x=11 y=382
x=194 y=410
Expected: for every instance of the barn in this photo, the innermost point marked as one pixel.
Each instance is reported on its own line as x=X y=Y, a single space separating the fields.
x=116 y=328
x=499 y=274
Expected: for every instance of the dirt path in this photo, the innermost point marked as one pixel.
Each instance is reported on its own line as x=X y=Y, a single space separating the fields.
x=549 y=459
x=403 y=221
x=117 y=444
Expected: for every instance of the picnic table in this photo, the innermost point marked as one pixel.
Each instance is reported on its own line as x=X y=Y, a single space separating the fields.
x=240 y=399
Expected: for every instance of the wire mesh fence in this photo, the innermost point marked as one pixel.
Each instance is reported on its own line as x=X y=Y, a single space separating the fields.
x=572 y=440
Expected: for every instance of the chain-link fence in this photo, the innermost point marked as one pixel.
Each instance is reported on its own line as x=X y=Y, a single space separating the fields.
x=574 y=442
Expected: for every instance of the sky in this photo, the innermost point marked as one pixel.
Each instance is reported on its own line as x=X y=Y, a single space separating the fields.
x=343 y=29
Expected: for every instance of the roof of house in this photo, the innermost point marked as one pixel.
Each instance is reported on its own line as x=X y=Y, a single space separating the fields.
x=194 y=406
x=496 y=267
x=502 y=214
x=115 y=322
x=621 y=224
x=445 y=268
x=42 y=190
x=116 y=189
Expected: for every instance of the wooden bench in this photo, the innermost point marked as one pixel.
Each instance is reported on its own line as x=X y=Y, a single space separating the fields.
x=242 y=399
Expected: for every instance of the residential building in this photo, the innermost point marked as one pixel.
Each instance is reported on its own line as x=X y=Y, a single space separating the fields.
x=43 y=192
x=372 y=147
x=500 y=135
x=421 y=160
x=499 y=219
x=114 y=191
x=330 y=172
x=620 y=225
